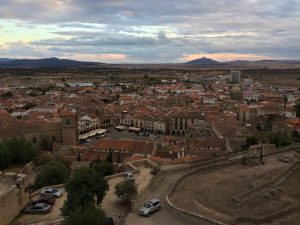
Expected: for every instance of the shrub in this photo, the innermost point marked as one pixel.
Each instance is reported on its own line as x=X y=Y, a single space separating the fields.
x=51 y=174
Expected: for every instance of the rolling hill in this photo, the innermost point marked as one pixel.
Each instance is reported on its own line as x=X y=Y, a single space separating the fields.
x=46 y=62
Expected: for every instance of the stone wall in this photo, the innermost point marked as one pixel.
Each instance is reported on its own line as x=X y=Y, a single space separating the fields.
x=268 y=219
x=13 y=196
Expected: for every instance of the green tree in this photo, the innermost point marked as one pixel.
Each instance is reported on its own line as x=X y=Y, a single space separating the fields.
x=7 y=94
x=29 y=105
x=88 y=216
x=109 y=157
x=252 y=140
x=51 y=174
x=82 y=188
x=41 y=160
x=46 y=145
x=296 y=108
x=105 y=169
x=15 y=152
x=281 y=138
x=126 y=190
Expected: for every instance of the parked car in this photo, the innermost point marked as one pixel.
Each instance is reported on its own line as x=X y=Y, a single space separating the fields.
x=48 y=200
x=109 y=221
x=129 y=176
x=150 y=207
x=39 y=208
x=52 y=192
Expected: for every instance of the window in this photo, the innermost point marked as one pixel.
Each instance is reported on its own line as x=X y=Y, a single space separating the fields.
x=67 y=121
x=34 y=140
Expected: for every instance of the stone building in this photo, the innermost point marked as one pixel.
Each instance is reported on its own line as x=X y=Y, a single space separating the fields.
x=63 y=130
x=191 y=122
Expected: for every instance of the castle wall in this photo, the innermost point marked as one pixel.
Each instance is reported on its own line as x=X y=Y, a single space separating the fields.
x=12 y=198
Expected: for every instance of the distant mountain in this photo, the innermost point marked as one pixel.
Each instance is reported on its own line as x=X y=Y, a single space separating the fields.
x=203 y=61
x=46 y=62
x=5 y=60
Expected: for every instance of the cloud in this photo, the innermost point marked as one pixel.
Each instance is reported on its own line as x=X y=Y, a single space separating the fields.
x=155 y=31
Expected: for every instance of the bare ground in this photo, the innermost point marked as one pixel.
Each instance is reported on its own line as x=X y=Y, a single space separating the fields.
x=210 y=194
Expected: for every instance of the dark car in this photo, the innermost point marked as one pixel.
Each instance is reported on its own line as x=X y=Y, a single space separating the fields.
x=47 y=200
x=39 y=208
x=109 y=221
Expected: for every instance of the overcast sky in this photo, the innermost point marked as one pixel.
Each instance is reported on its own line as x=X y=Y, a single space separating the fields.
x=152 y=31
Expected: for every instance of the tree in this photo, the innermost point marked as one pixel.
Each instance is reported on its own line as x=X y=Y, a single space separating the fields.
x=251 y=140
x=296 y=108
x=15 y=152
x=41 y=160
x=82 y=188
x=88 y=216
x=105 y=169
x=126 y=190
x=281 y=138
x=109 y=157
x=29 y=105
x=7 y=94
x=46 y=145
x=53 y=173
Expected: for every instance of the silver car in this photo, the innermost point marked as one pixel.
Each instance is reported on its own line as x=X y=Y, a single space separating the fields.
x=51 y=192
x=39 y=208
x=150 y=207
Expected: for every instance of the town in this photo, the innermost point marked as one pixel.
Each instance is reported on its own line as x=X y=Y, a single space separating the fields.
x=209 y=146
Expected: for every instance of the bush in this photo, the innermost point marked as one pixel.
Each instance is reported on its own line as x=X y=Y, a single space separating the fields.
x=51 y=174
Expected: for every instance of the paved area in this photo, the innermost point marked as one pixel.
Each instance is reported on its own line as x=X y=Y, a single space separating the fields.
x=167 y=215
x=114 y=134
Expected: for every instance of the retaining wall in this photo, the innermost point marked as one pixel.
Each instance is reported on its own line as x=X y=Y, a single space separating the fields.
x=268 y=219
x=13 y=197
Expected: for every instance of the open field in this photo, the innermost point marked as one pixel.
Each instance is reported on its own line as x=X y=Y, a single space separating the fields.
x=211 y=194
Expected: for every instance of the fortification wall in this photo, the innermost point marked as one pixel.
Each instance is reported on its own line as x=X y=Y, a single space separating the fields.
x=13 y=196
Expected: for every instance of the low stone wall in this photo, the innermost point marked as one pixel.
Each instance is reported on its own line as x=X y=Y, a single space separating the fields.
x=179 y=210
x=27 y=168
x=266 y=220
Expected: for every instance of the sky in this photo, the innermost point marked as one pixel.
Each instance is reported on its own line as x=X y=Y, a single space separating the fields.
x=151 y=31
